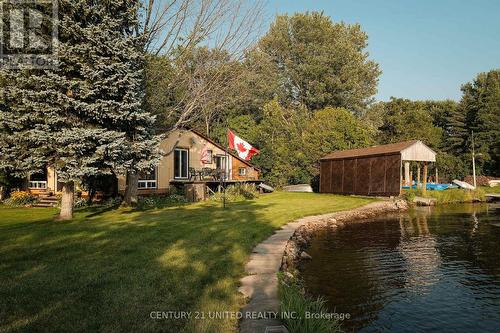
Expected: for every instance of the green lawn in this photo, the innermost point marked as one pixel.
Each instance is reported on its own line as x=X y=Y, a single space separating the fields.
x=488 y=189
x=106 y=271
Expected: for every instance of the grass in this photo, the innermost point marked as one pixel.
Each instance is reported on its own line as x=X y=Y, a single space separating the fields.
x=488 y=189
x=449 y=195
x=293 y=300
x=107 y=270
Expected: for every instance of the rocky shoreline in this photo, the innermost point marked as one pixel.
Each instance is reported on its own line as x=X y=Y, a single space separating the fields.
x=295 y=247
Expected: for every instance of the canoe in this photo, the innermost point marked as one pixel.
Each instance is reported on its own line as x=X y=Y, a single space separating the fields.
x=265 y=187
x=464 y=185
x=298 y=188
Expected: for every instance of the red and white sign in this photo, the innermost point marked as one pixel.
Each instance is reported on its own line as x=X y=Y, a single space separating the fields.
x=205 y=157
x=243 y=148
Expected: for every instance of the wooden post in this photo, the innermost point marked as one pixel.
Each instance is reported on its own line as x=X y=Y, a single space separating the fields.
x=418 y=174
x=437 y=176
x=424 y=185
x=407 y=173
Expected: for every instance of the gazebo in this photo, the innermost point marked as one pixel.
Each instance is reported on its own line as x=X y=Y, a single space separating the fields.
x=376 y=170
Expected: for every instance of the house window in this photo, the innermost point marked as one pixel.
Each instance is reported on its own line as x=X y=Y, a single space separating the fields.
x=147 y=179
x=181 y=163
x=221 y=164
x=38 y=181
x=37 y=184
x=209 y=157
x=242 y=171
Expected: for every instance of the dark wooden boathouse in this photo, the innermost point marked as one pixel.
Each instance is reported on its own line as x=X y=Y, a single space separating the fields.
x=375 y=171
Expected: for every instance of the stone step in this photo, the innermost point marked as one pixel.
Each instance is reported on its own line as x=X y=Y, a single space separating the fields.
x=48 y=199
x=44 y=204
x=49 y=203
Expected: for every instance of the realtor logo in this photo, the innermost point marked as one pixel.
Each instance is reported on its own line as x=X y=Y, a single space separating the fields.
x=28 y=34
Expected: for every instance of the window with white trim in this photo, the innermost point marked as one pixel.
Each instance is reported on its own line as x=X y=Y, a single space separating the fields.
x=147 y=179
x=38 y=180
x=37 y=184
x=242 y=171
x=181 y=163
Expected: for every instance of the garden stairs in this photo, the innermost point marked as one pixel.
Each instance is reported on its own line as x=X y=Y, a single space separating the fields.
x=46 y=200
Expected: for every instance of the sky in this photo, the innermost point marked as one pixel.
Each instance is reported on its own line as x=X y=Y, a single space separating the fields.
x=426 y=49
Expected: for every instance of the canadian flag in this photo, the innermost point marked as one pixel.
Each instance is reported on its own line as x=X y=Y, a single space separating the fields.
x=243 y=148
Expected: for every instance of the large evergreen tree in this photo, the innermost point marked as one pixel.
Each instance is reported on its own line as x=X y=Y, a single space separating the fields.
x=457 y=132
x=83 y=117
x=481 y=106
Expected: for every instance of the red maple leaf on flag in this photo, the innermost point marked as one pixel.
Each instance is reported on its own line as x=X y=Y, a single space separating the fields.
x=241 y=147
x=244 y=149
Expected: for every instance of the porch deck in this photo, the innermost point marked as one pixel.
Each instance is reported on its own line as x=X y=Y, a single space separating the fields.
x=214 y=182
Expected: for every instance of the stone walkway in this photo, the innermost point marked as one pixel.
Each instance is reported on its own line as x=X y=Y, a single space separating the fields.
x=261 y=285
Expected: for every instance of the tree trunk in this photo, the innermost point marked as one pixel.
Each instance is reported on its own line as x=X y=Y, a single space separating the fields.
x=68 y=197
x=91 y=194
x=2 y=193
x=130 y=198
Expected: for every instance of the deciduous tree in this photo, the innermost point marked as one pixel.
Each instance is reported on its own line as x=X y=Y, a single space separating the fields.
x=320 y=63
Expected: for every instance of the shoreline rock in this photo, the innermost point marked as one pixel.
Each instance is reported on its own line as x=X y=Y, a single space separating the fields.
x=295 y=248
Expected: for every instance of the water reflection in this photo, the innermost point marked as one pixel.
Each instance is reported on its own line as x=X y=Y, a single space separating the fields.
x=429 y=269
x=418 y=249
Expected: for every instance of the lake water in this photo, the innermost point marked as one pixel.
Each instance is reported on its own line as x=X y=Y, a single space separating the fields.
x=431 y=269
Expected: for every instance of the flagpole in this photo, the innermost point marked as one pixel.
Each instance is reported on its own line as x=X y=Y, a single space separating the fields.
x=226 y=167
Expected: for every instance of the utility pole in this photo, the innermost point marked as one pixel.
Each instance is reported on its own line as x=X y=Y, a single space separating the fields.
x=473 y=161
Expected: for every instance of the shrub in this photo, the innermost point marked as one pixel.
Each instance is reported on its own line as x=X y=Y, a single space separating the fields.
x=80 y=202
x=410 y=195
x=294 y=300
x=20 y=199
x=160 y=201
x=247 y=191
x=112 y=202
x=237 y=192
x=456 y=195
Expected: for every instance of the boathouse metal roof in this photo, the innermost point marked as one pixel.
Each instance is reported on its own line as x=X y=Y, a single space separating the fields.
x=414 y=150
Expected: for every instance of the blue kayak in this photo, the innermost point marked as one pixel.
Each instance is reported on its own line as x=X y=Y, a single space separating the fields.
x=436 y=187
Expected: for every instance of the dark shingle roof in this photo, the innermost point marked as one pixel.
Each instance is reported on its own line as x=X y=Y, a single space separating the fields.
x=375 y=150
